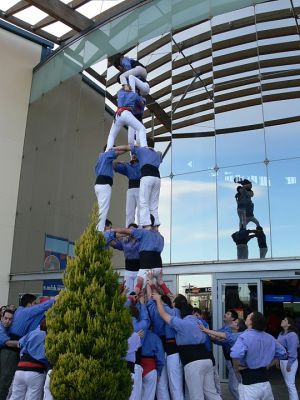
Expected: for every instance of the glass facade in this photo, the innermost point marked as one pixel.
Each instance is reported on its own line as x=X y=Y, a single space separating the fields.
x=223 y=106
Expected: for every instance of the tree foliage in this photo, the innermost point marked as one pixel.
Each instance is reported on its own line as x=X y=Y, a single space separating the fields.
x=88 y=327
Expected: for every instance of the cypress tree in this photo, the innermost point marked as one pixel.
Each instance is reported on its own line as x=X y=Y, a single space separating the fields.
x=88 y=327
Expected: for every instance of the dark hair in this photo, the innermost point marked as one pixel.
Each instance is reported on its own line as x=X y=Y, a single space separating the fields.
x=258 y=321
x=116 y=59
x=27 y=298
x=187 y=309
x=292 y=327
x=134 y=311
x=234 y=314
x=43 y=325
x=104 y=147
x=197 y=310
x=8 y=311
x=108 y=222
x=259 y=228
x=166 y=299
x=179 y=301
x=241 y=325
x=133 y=225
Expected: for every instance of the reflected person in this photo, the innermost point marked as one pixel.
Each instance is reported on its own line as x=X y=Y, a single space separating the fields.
x=241 y=239
x=245 y=206
x=261 y=241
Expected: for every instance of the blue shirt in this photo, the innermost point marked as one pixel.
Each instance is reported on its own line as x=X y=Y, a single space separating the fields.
x=131 y=170
x=170 y=333
x=129 y=246
x=256 y=349
x=152 y=347
x=187 y=330
x=109 y=236
x=26 y=319
x=128 y=99
x=104 y=165
x=149 y=240
x=158 y=324
x=290 y=342
x=139 y=107
x=127 y=63
x=147 y=155
x=34 y=345
x=143 y=322
x=3 y=335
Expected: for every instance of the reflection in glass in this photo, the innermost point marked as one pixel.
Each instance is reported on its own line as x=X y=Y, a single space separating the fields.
x=194 y=221
x=228 y=217
x=241 y=297
x=282 y=141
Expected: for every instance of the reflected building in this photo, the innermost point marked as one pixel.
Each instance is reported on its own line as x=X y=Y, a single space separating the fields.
x=223 y=106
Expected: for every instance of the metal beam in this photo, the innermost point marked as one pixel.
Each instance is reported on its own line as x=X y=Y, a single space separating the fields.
x=63 y=13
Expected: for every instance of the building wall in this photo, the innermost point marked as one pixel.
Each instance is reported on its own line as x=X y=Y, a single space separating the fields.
x=18 y=57
x=66 y=129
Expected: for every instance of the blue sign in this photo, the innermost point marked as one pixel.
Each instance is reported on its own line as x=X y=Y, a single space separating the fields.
x=51 y=287
x=278 y=298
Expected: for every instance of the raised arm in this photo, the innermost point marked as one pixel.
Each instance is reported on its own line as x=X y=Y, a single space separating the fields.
x=122 y=231
x=123 y=148
x=160 y=308
x=215 y=334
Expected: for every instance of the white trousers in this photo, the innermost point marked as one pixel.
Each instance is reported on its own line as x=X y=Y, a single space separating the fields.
x=103 y=194
x=137 y=71
x=199 y=377
x=126 y=119
x=134 y=83
x=47 y=392
x=289 y=378
x=149 y=385
x=144 y=272
x=136 y=393
x=217 y=380
x=175 y=376
x=132 y=206
x=162 y=387
x=257 y=391
x=28 y=385
x=129 y=280
x=149 y=199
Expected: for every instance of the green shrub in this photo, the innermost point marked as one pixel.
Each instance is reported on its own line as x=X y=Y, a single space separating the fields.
x=88 y=327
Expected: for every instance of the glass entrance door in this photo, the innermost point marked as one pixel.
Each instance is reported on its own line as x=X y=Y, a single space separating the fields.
x=241 y=295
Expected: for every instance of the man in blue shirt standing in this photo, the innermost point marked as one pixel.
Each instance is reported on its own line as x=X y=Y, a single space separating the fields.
x=132 y=171
x=9 y=354
x=104 y=181
x=251 y=354
x=127 y=103
x=198 y=366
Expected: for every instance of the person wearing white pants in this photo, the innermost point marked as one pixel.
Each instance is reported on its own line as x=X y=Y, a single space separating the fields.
x=252 y=353
x=153 y=359
x=130 y=248
x=30 y=376
x=47 y=391
x=290 y=341
x=127 y=101
x=130 y=67
x=198 y=367
x=132 y=171
x=103 y=184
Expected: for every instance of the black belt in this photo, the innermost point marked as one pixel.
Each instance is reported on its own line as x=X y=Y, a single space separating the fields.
x=150 y=259
x=133 y=183
x=132 y=265
x=171 y=347
x=193 y=352
x=150 y=170
x=138 y=356
x=104 y=180
x=252 y=376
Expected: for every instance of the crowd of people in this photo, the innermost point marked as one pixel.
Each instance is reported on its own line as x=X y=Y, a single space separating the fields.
x=170 y=352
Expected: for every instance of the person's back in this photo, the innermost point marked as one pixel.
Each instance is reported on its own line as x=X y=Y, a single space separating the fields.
x=252 y=353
